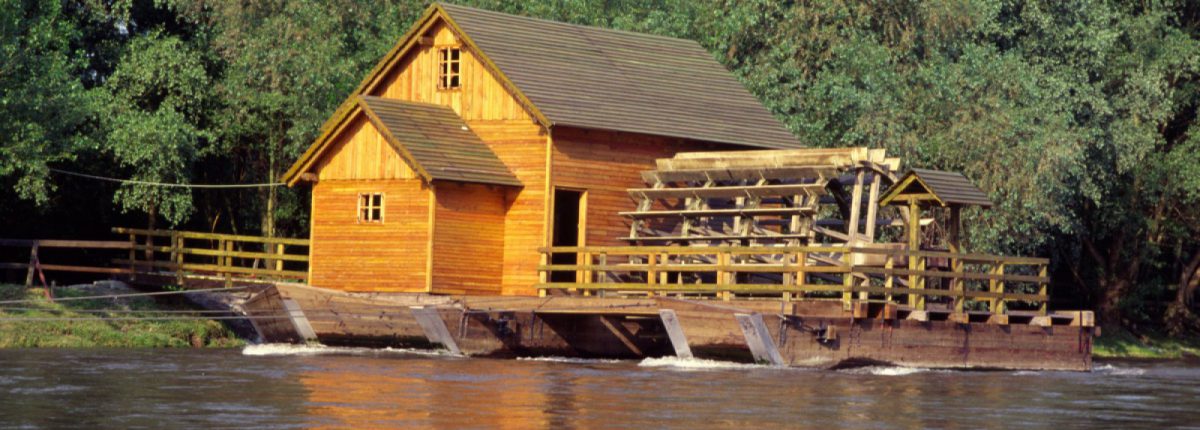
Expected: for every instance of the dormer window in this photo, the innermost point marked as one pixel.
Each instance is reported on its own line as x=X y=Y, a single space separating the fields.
x=448 y=68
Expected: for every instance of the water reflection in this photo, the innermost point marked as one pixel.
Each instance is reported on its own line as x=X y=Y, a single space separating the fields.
x=360 y=389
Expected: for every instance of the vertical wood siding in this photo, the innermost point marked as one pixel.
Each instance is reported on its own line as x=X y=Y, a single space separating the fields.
x=481 y=96
x=468 y=241
x=360 y=152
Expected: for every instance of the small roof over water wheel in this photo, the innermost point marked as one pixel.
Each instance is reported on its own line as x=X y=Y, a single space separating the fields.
x=935 y=187
x=921 y=188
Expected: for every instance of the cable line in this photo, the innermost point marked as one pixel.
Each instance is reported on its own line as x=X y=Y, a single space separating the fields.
x=162 y=184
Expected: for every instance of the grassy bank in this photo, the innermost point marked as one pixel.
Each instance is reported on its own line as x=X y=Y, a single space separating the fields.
x=86 y=328
x=1119 y=343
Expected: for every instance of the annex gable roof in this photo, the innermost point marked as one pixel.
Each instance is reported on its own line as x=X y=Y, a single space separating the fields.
x=588 y=77
x=435 y=142
x=935 y=186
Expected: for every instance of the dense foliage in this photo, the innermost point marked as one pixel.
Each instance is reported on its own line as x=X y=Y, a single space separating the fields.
x=1076 y=116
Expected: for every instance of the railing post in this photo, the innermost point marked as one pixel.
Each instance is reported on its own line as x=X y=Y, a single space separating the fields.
x=585 y=278
x=999 y=305
x=177 y=256
x=722 y=275
x=33 y=263
x=847 y=280
x=279 y=261
x=801 y=274
x=228 y=263
x=1043 y=289
x=132 y=257
x=889 y=278
x=922 y=263
x=651 y=271
x=543 y=272
x=957 y=284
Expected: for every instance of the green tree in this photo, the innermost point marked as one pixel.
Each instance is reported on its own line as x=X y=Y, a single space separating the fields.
x=44 y=107
x=154 y=128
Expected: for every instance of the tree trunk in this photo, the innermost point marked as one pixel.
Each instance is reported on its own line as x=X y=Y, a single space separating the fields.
x=268 y=222
x=1109 y=307
x=1189 y=281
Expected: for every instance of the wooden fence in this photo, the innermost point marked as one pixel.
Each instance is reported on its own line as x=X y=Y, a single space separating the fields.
x=229 y=257
x=35 y=267
x=955 y=282
x=176 y=256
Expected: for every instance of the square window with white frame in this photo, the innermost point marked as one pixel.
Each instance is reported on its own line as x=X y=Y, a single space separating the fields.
x=370 y=208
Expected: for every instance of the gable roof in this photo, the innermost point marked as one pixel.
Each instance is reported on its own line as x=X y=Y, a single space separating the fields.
x=943 y=188
x=591 y=77
x=435 y=142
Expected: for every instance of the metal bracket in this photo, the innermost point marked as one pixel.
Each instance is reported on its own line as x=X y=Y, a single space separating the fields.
x=303 y=329
x=675 y=333
x=762 y=346
x=435 y=328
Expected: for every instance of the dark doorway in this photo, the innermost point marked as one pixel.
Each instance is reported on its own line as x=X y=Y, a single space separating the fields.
x=567 y=205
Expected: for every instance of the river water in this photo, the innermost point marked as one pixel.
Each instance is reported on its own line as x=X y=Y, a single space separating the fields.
x=277 y=386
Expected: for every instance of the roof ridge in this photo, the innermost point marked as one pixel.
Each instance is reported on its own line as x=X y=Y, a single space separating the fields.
x=444 y=5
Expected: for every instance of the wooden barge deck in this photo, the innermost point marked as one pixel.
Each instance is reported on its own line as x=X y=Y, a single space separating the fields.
x=805 y=333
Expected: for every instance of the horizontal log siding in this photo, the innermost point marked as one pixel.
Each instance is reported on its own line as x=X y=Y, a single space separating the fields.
x=607 y=164
x=468 y=238
x=521 y=145
x=349 y=256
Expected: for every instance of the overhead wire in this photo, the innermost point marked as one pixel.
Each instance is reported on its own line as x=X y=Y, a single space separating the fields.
x=165 y=184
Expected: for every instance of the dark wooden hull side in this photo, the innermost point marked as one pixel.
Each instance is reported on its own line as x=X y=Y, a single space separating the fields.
x=806 y=334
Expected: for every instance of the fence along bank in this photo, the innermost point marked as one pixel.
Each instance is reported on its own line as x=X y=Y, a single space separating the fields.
x=506 y=186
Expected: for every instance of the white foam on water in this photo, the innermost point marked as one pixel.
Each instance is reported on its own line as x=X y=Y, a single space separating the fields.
x=570 y=360
x=884 y=370
x=698 y=364
x=1108 y=369
x=285 y=349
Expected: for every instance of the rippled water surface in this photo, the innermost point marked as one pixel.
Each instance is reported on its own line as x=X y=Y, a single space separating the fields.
x=288 y=387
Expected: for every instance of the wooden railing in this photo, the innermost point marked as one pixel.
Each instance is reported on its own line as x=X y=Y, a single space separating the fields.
x=955 y=282
x=36 y=266
x=186 y=254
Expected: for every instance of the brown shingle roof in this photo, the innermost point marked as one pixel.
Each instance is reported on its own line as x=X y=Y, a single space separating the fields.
x=947 y=188
x=436 y=141
x=615 y=80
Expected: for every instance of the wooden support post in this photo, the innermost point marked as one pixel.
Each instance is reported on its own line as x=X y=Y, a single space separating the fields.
x=1043 y=290
x=724 y=277
x=873 y=207
x=228 y=264
x=543 y=274
x=855 y=207
x=801 y=274
x=279 y=261
x=847 y=280
x=999 y=304
x=954 y=230
x=132 y=257
x=651 y=270
x=957 y=284
x=889 y=279
x=585 y=275
x=33 y=263
x=914 y=245
x=177 y=257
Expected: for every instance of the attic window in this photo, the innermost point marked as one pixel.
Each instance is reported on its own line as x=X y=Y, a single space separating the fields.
x=370 y=208
x=448 y=68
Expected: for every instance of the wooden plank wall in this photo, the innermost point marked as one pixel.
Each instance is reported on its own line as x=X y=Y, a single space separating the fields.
x=607 y=164
x=521 y=145
x=361 y=152
x=481 y=97
x=468 y=238
x=390 y=256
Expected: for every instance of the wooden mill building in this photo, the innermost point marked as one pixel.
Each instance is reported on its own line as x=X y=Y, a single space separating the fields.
x=482 y=137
